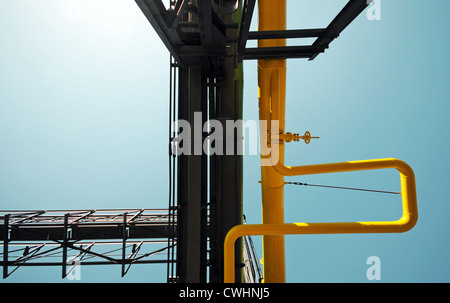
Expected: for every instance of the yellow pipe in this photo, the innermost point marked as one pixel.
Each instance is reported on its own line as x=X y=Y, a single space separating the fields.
x=272 y=91
x=405 y=223
x=401 y=166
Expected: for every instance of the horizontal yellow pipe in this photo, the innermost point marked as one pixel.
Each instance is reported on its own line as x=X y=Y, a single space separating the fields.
x=405 y=223
x=404 y=168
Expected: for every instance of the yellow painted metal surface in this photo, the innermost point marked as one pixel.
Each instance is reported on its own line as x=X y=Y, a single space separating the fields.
x=405 y=223
x=272 y=93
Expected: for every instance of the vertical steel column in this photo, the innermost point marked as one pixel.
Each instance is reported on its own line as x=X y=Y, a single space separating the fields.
x=204 y=185
x=124 y=242
x=229 y=167
x=5 y=245
x=190 y=189
x=181 y=168
x=64 y=254
x=194 y=194
x=215 y=274
x=172 y=224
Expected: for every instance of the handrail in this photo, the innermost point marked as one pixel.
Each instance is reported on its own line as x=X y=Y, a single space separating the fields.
x=405 y=223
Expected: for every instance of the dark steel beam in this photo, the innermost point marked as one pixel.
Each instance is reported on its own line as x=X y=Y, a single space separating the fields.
x=286 y=34
x=5 y=245
x=156 y=14
x=81 y=254
x=282 y=52
x=351 y=10
x=11 y=263
x=324 y=37
x=199 y=51
x=124 y=242
x=247 y=14
x=193 y=182
x=205 y=23
x=64 y=245
x=103 y=256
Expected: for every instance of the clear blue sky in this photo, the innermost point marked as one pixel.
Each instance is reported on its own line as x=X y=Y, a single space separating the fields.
x=83 y=124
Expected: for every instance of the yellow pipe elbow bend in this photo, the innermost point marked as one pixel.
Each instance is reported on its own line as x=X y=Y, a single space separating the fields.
x=405 y=223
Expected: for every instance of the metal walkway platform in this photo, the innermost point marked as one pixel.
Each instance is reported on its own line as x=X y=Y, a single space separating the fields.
x=133 y=236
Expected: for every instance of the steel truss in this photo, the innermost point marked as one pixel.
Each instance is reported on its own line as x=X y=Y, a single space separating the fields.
x=324 y=36
x=196 y=35
x=66 y=238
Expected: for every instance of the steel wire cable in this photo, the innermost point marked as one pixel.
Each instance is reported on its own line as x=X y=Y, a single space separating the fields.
x=346 y=188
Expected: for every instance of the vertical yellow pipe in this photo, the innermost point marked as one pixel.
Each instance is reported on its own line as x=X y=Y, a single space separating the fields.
x=272 y=91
